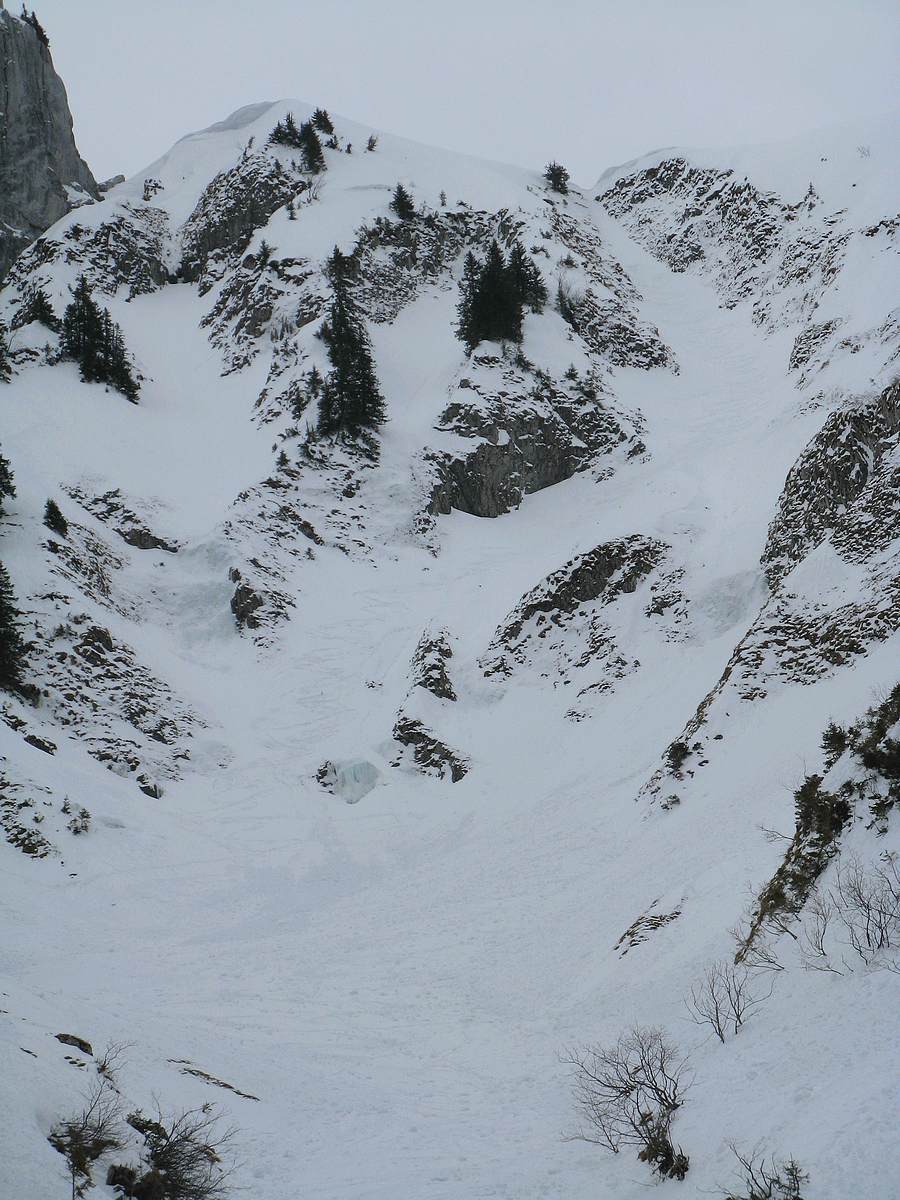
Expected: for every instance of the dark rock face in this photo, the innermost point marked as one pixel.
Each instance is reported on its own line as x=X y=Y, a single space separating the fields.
x=431 y=755
x=532 y=434
x=244 y=604
x=429 y=665
x=235 y=204
x=604 y=573
x=837 y=467
x=563 y=625
x=40 y=167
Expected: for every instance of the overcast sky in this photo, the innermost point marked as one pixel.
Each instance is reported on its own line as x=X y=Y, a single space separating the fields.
x=589 y=82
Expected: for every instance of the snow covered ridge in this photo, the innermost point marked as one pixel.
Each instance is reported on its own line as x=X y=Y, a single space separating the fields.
x=321 y=790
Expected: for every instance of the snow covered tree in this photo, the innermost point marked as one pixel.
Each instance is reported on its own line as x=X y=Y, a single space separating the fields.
x=93 y=339
x=12 y=648
x=322 y=121
x=54 y=519
x=490 y=308
x=557 y=176
x=7 y=487
x=402 y=203
x=351 y=401
x=527 y=279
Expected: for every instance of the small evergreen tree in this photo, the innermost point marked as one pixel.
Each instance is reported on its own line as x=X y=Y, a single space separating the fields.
x=12 y=648
x=93 y=339
x=402 y=203
x=7 y=486
x=527 y=279
x=443 y=199
x=557 y=176
x=291 y=211
x=351 y=401
x=322 y=121
x=371 y=142
x=311 y=151
x=286 y=133
x=54 y=519
x=465 y=329
x=5 y=364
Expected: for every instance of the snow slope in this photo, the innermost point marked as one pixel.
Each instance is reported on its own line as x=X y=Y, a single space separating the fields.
x=390 y=967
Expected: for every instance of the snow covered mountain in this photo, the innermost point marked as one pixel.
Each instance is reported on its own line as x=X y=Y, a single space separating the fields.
x=351 y=790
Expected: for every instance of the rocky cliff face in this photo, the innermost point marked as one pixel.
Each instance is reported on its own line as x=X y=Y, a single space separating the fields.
x=42 y=175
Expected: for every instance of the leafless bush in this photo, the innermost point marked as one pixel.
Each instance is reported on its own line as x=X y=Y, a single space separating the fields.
x=754 y=951
x=184 y=1155
x=627 y=1095
x=111 y=1062
x=724 y=998
x=81 y=1140
x=867 y=903
x=767 y=1181
x=814 y=936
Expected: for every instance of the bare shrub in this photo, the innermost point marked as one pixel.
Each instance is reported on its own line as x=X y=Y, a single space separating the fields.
x=867 y=903
x=82 y=1139
x=767 y=1181
x=814 y=953
x=184 y=1155
x=111 y=1062
x=627 y=1095
x=754 y=951
x=724 y=998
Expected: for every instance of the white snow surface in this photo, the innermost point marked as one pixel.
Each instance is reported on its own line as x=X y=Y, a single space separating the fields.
x=393 y=967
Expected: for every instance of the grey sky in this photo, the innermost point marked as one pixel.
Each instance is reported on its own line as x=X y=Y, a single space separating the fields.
x=590 y=82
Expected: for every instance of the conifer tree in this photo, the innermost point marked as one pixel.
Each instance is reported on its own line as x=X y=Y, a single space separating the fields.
x=322 y=121
x=12 y=648
x=465 y=329
x=402 y=203
x=490 y=309
x=311 y=151
x=286 y=133
x=351 y=401
x=526 y=278
x=93 y=339
x=7 y=486
x=82 y=331
x=54 y=519
x=557 y=176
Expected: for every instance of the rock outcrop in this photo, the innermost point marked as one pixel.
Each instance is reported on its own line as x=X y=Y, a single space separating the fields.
x=42 y=175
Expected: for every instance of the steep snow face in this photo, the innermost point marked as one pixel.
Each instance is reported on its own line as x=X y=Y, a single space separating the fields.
x=327 y=805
